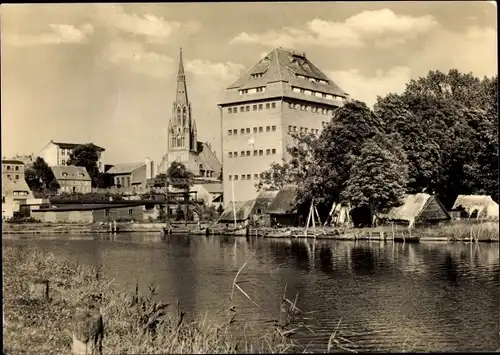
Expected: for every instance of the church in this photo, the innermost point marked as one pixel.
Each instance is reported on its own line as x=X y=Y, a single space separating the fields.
x=182 y=137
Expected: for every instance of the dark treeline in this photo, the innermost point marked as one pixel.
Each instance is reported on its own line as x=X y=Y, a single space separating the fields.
x=440 y=136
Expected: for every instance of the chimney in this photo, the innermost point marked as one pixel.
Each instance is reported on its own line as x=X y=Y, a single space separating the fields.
x=149 y=168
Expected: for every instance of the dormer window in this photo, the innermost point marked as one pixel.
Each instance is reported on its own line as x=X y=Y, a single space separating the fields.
x=81 y=174
x=260 y=89
x=64 y=174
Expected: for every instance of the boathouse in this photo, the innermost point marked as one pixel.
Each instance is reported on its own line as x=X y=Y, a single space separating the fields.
x=255 y=212
x=475 y=207
x=283 y=209
x=416 y=209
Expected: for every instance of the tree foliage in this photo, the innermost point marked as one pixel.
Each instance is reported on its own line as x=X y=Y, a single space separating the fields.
x=87 y=156
x=179 y=176
x=40 y=177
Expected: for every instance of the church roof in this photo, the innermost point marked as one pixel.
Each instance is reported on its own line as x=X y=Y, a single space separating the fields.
x=279 y=71
x=125 y=168
x=207 y=158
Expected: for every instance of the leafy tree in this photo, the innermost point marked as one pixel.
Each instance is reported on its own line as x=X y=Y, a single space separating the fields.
x=179 y=176
x=40 y=177
x=87 y=155
x=377 y=179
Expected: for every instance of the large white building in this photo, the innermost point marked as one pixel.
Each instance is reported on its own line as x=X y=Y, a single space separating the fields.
x=57 y=154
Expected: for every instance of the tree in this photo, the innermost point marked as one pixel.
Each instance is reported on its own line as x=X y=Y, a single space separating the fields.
x=377 y=179
x=40 y=177
x=179 y=176
x=87 y=156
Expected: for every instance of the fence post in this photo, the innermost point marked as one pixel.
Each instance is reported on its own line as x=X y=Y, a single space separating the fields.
x=88 y=332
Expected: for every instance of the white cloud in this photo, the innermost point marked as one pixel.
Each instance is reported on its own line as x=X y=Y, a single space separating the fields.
x=57 y=34
x=153 y=28
x=355 y=31
x=135 y=57
x=366 y=88
x=220 y=71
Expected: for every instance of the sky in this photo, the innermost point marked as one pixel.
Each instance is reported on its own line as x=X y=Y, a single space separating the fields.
x=106 y=73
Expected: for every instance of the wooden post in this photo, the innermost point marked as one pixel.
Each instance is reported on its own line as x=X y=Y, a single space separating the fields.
x=39 y=289
x=88 y=331
x=308 y=220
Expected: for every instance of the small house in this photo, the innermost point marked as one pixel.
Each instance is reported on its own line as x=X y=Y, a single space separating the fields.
x=72 y=179
x=240 y=212
x=420 y=208
x=283 y=209
x=131 y=175
x=475 y=206
x=209 y=193
x=260 y=212
x=14 y=194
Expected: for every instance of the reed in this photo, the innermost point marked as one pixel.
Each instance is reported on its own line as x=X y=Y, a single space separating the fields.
x=135 y=322
x=466 y=231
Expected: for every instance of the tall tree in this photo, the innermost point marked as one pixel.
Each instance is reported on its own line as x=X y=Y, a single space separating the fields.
x=377 y=178
x=87 y=156
x=40 y=177
x=179 y=176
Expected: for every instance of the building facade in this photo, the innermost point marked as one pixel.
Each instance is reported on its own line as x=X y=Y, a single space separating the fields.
x=131 y=175
x=57 y=154
x=283 y=93
x=182 y=137
x=72 y=179
x=15 y=190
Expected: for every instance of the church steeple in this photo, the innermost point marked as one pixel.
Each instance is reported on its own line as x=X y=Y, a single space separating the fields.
x=182 y=96
x=182 y=134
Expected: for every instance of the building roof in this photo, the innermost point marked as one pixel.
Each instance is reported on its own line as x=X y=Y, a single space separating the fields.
x=207 y=158
x=412 y=208
x=213 y=188
x=243 y=211
x=62 y=173
x=12 y=161
x=286 y=68
x=284 y=202
x=87 y=207
x=484 y=205
x=264 y=200
x=9 y=186
x=125 y=168
x=74 y=145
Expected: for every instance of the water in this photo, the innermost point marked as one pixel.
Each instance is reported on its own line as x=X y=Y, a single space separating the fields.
x=389 y=297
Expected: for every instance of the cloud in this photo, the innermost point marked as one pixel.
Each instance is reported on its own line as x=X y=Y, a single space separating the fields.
x=221 y=71
x=355 y=31
x=153 y=28
x=366 y=88
x=57 y=34
x=134 y=56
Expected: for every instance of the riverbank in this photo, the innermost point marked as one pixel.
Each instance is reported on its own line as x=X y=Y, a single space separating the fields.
x=133 y=322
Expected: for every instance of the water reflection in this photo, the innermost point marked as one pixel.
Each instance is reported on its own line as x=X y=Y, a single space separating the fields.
x=393 y=297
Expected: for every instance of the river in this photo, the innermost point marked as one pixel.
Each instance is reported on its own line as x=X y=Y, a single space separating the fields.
x=387 y=297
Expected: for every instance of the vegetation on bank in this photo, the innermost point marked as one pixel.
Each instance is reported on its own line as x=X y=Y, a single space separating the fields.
x=439 y=136
x=135 y=323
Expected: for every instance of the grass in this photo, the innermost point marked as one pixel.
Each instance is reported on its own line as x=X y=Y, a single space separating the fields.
x=466 y=231
x=135 y=322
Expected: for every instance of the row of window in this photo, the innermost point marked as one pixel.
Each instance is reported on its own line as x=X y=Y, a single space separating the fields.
x=10 y=177
x=317 y=93
x=246 y=153
x=255 y=107
x=252 y=90
x=310 y=108
x=234 y=132
x=246 y=176
x=302 y=129
x=65 y=151
x=8 y=167
x=106 y=212
x=314 y=80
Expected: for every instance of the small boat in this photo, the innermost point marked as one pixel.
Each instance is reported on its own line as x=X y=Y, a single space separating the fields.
x=279 y=233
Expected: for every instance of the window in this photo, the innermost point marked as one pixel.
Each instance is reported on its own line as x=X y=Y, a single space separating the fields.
x=235 y=177
x=247 y=108
x=323 y=95
x=255 y=130
x=235 y=131
x=273 y=105
x=261 y=129
x=229 y=132
x=268 y=129
x=230 y=154
x=268 y=151
x=323 y=124
x=289 y=128
x=248 y=153
x=290 y=105
x=255 y=107
x=242 y=131
x=242 y=153
x=235 y=154
x=255 y=176
x=230 y=177
x=249 y=176
x=302 y=90
x=261 y=152
x=106 y=212
x=130 y=212
x=242 y=108
x=261 y=89
x=268 y=105
x=261 y=175
x=301 y=129
x=8 y=167
x=260 y=106
x=230 y=110
x=17 y=177
x=248 y=130
x=64 y=174
x=254 y=152
x=3 y=199
x=274 y=128
x=305 y=130
x=16 y=168
x=243 y=176
x=274 y=151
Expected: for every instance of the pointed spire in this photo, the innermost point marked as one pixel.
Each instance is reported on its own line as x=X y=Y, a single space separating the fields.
x=182 y=97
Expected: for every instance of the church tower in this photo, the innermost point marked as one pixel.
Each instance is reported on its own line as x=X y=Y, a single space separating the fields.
x=182 y=135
